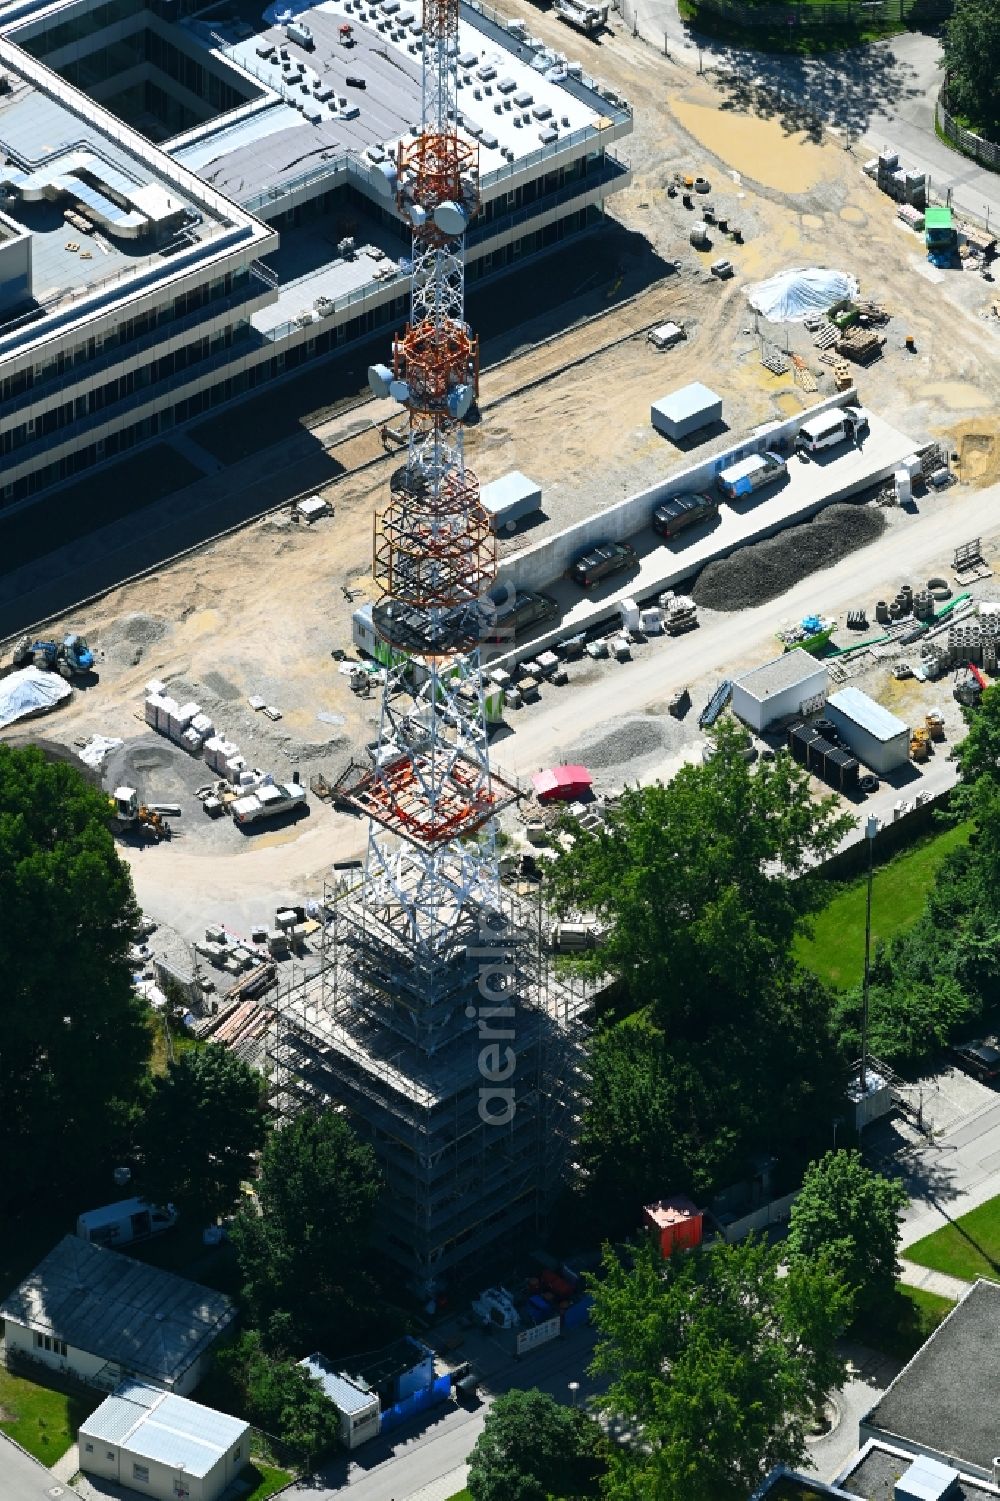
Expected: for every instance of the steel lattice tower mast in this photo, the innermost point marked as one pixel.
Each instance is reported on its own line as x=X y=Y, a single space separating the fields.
x=431 y=798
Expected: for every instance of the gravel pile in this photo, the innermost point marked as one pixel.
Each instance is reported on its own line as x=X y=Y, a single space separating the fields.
x=632 y=740
x=126 y=639
x=763 y=570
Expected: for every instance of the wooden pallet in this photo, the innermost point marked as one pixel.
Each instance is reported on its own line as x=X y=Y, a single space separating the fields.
x=826 y=336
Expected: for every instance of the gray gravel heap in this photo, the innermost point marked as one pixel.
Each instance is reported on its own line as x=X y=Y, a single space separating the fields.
x=763 y=570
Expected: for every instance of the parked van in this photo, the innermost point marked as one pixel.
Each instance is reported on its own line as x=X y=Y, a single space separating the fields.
x=750 y=475
x=122 y=1223
x=831 y=427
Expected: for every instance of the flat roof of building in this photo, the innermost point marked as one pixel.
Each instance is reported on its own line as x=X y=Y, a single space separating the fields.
x=507 y=490
x=945 y=1401
x=109 y=1305
x=505 y=103
x=687 y=402
x=786 y=671
x=160 y=1426
x=347 y=1395
x=146 y=220
x=867 y=714
x=873 y=1475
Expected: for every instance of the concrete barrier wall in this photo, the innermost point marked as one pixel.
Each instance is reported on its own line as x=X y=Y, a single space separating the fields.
x=539 y=565
x=775 y=1213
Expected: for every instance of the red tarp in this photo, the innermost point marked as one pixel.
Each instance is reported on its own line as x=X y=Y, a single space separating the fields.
x=561 y=782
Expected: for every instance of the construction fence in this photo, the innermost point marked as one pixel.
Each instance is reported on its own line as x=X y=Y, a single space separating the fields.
x=985 y=152
x=830 y=15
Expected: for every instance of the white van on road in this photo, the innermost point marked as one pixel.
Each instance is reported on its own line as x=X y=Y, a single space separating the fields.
x=834 y=426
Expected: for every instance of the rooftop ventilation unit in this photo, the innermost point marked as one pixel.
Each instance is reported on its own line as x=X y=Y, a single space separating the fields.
x=926 y=1480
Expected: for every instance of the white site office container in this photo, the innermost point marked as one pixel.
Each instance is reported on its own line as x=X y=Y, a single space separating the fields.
x=876 y=737
x=794 y=683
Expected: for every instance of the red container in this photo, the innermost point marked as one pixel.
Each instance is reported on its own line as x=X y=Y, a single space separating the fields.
x=676 y=1223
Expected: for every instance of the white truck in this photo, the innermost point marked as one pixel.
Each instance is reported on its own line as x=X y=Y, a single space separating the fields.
x=267 y=801
x=122 y=1223
x=590 y=19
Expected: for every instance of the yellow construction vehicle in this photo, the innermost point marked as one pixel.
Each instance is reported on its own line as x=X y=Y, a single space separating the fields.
x=128 y=814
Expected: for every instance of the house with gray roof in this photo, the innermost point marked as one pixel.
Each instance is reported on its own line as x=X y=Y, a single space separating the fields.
x=163 y=1445
x=104 y=1317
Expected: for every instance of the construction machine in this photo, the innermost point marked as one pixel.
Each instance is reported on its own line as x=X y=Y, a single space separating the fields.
x=129 y=814
x=69 y=657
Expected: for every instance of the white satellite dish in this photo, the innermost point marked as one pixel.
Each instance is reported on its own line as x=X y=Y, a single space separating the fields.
x=418 y=215
x=399 y=391
x=379 y=379
x=451 y=218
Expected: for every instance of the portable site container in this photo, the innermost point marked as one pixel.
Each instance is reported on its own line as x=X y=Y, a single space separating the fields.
x=792 y=684
x=686 y=411
x=675 y=1222
x=876 y=737
x=510 y=498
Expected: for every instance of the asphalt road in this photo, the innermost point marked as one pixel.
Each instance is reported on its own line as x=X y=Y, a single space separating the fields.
x=427 y=1457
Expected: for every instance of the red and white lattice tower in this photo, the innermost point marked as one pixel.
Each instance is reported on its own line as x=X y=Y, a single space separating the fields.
x=431 y=799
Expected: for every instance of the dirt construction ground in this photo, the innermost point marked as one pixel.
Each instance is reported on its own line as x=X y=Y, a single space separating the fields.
x=259 y=613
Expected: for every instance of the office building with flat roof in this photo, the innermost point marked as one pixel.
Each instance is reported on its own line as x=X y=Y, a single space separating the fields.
x=189 y=209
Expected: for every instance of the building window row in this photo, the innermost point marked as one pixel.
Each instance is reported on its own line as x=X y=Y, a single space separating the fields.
x=48 y=1342
x=120 y=387
x=121 y=334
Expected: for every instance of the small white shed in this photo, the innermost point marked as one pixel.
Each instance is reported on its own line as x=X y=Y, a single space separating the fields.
x=358 y=1407
x=163 y=1445
x=874 y=735
x=686 y=411
x=794 y=683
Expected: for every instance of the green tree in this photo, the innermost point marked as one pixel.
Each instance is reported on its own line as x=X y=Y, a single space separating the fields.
x=696 y=883
x=972 y=60
x=203 y=1127
x=683 y=1113
x=848 y=1215
x=532 y=1448
x=280 y=1397
x=73 y=1040
x=715 y=1364
x=303 y=1256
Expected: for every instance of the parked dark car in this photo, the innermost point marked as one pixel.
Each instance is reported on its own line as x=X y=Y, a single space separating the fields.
x=517 y=616
x=464 y=1384
x=673 y=515
x=980 y=1059
x=601 y=561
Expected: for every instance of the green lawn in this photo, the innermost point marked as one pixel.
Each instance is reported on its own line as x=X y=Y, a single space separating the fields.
x=269 y=1478
x=41 y=1420
x=969 y=1247
x=460 y=1496
x=836 y=950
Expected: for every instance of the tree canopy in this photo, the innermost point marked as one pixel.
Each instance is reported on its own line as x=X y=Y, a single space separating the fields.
x=303 y=1256
x=533 y=1448
x=280 y=1397
x=714 y=1364
x=847 y=1216
x=972 y=60
x=696 y=882
x=73 y=1038
x=688 y=1111
x=201 y=1131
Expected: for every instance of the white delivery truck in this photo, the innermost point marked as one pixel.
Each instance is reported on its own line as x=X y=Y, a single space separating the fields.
x=267 y=801
x=122 y=1223
x=831 y=427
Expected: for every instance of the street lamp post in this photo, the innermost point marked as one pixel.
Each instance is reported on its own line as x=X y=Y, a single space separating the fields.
x=574 y=1387
x=871 y=829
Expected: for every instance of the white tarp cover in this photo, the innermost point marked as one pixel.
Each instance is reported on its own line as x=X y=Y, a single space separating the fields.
x=97 y=748
x=30 y=691
x=792 y=296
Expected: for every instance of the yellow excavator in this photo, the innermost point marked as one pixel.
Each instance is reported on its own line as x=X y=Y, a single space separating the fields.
x=129 y=814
